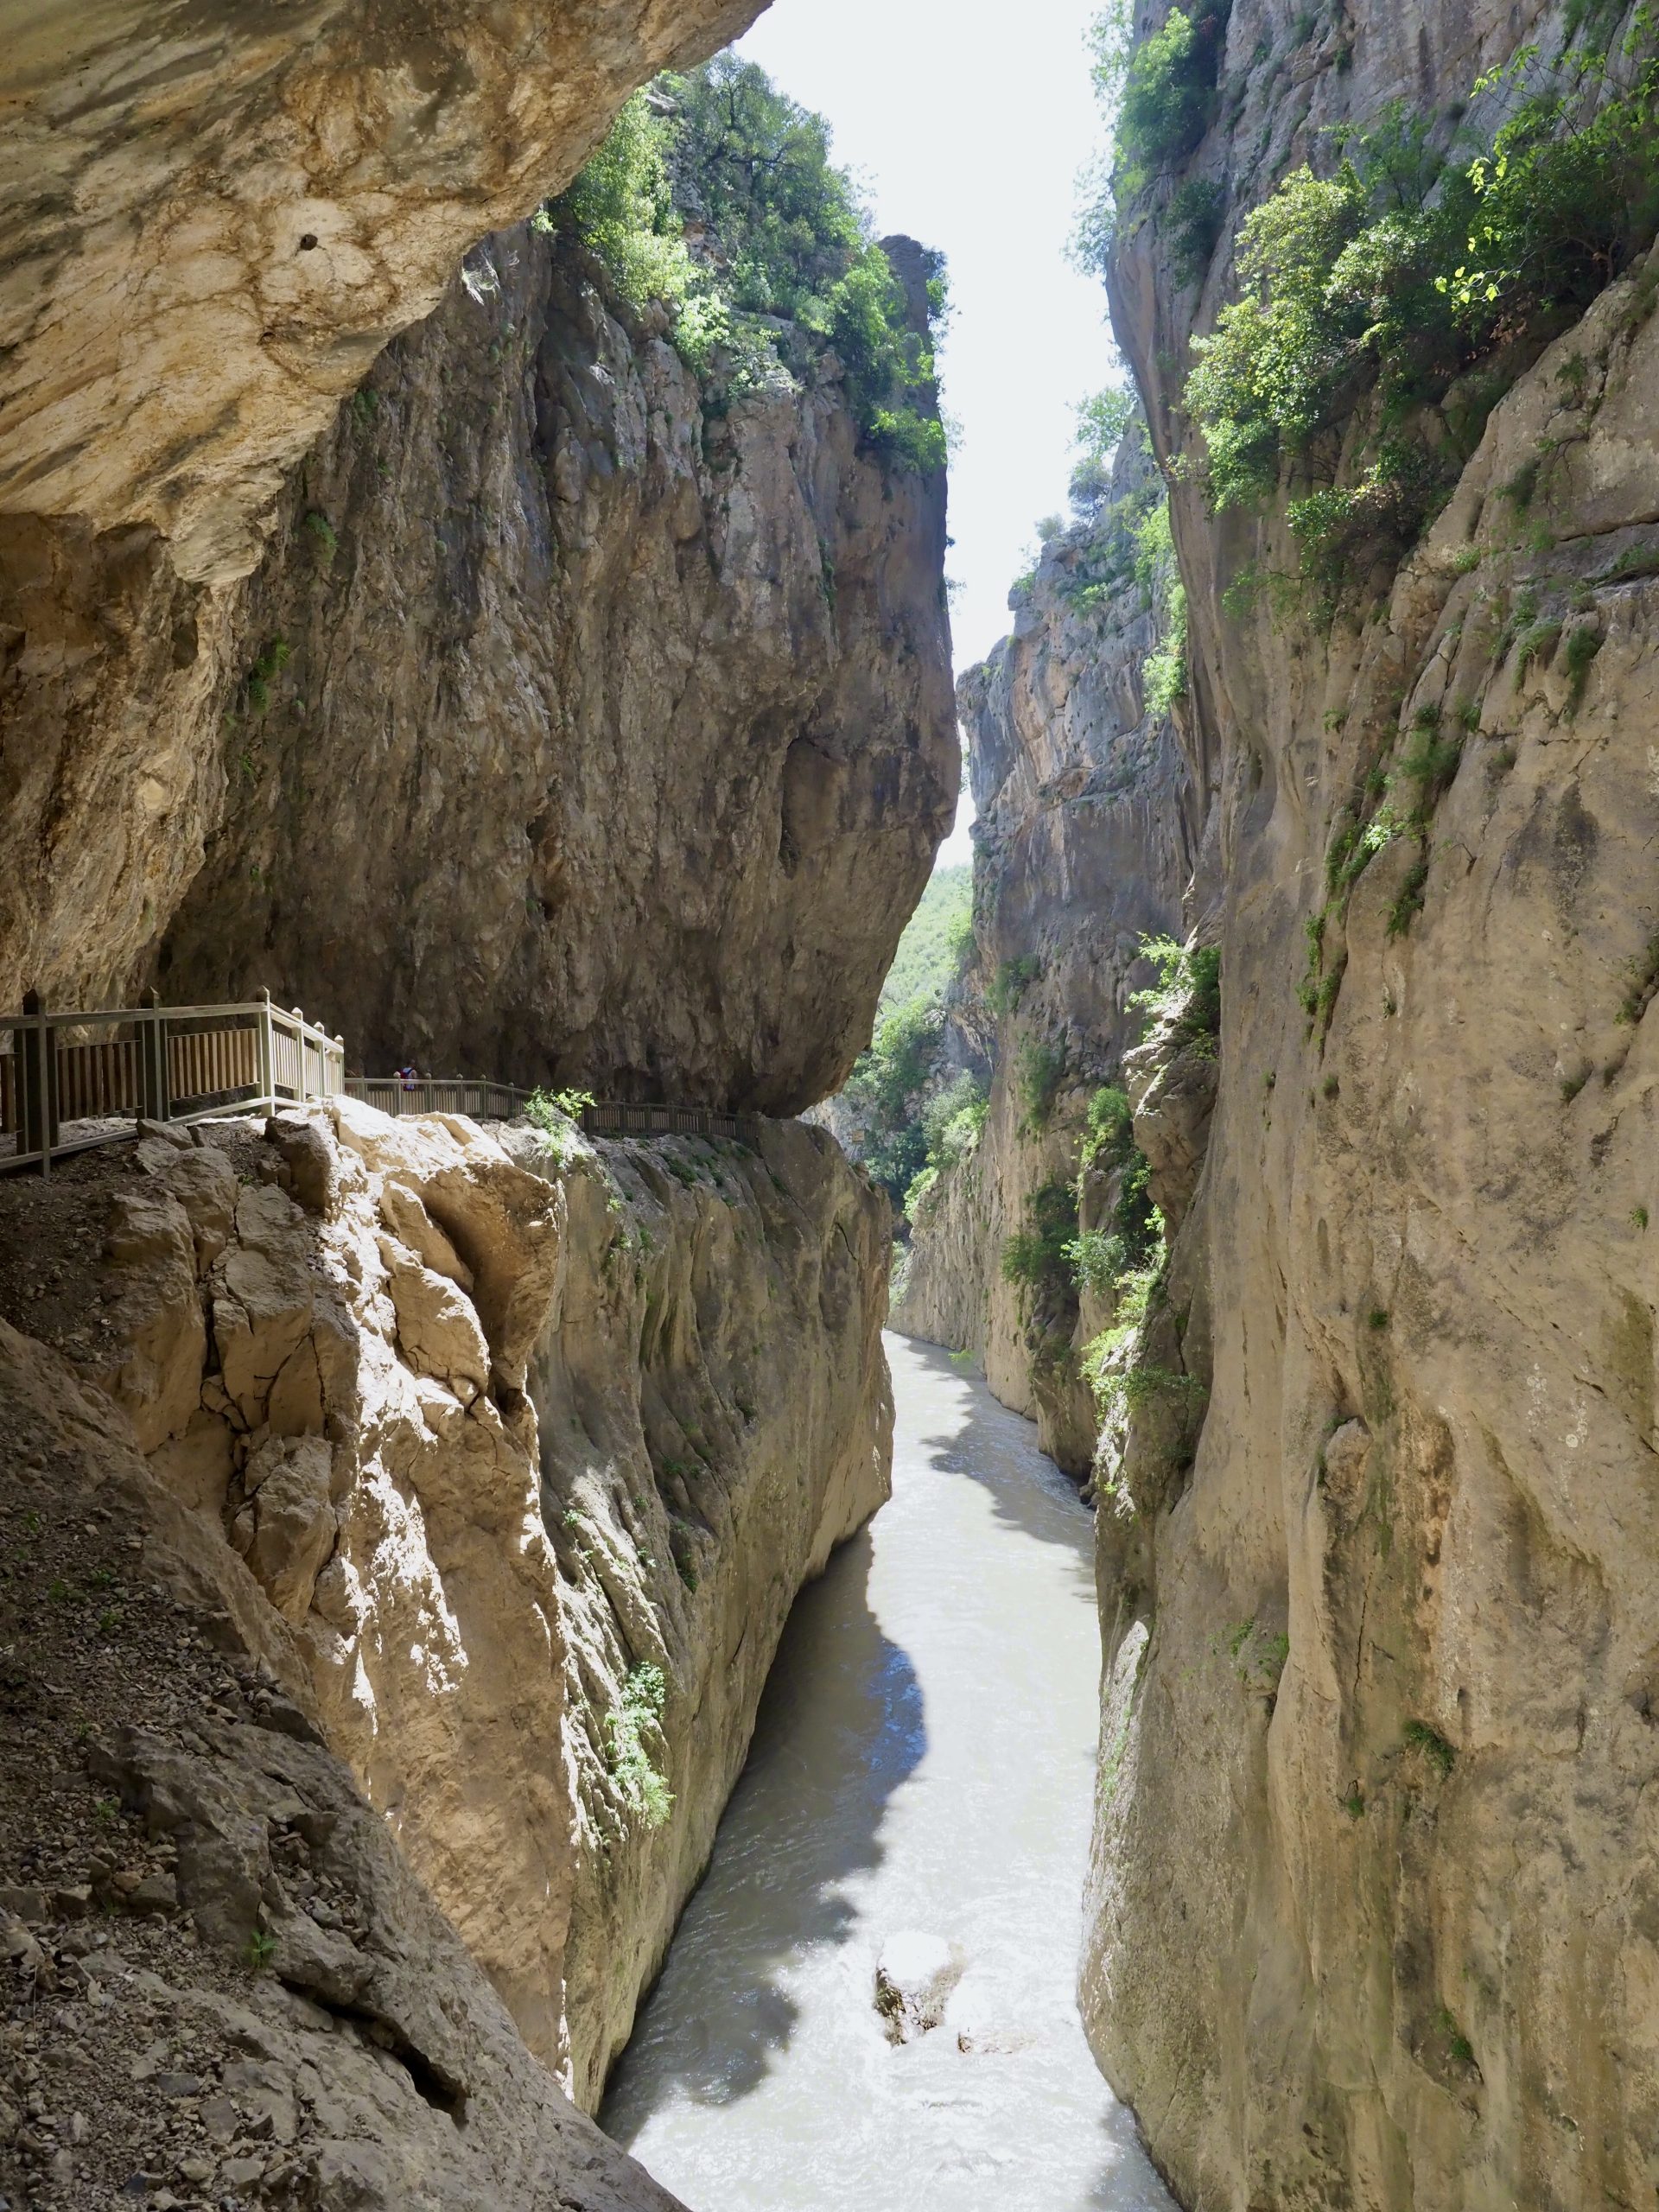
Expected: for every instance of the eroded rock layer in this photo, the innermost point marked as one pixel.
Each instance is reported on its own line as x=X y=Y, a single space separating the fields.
x=1371 y=1916
x=529 y=1452
x=218 y=1979
x=1083 y=847
x=216 y=223
x=605 y=730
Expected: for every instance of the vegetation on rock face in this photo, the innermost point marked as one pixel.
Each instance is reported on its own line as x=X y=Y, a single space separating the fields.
x=1187 y=995
x=638 y=1714
x=1161 y=94
x=1036 y=1255
x=714 y=194
x=1118 y=541
x=557 y=1114
x=1125 y=1261
x=1167 y=86
x=936 y=936
x=884 y=1093
x=1040 y=1070
x=1012 y=980
x=953 y=1121
x=1411 y=283
x=911 y=1122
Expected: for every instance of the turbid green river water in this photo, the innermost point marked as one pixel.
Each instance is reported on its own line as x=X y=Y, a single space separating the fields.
x=924 y=1760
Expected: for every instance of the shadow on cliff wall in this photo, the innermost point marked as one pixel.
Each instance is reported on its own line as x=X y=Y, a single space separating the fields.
x=840 y=1727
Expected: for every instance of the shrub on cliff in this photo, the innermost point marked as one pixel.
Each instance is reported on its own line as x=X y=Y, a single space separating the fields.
x=954 y=1120
x=1168 y=86
x=1036 y=1256
x=621 y=206
x=715 y=194
x=1395 y=276
x=636 y=1717
x=884 y=1094
x=1040 y=1070
x=1187 y=995
x=1160 y=95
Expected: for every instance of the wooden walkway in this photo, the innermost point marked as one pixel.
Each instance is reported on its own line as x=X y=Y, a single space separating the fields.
x=69 y=1081
x=501 y=1102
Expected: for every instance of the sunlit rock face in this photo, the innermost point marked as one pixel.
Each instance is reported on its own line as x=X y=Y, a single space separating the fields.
x=388 y=2071
x=218 y=217
x=613 y=736
x=520 y=1456
x=218 y=226
x=1372 y=1909
x=1085 y=839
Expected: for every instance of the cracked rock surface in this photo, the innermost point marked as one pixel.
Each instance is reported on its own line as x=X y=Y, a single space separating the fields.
x=482 y=1430
x=220 y=1983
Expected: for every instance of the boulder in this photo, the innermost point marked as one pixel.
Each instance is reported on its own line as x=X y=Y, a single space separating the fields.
x=914 y=1977
x=289 y=1521
x=438 y=1332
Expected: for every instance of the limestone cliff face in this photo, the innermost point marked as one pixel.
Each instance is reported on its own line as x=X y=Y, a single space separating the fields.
x=216 y=224
x=613 y=736
x=1372 y=1910
x=530 y=1453
x=574 y=723
x=218 y=1972
x=1084 y=843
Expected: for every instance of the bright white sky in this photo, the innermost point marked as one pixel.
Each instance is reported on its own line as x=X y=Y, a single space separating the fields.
x=967 y=128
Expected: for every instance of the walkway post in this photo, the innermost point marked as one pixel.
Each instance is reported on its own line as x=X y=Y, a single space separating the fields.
x=40 y=1086
x=267 y=1056
x=152 y=1064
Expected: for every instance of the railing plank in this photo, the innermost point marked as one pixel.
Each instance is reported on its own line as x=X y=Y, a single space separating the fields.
x=174 y=1063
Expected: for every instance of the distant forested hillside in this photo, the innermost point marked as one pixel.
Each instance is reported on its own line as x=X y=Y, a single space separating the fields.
x=929 y=951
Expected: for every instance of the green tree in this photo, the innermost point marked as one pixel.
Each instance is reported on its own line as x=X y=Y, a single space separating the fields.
x=716 y=195
x=884 y=1094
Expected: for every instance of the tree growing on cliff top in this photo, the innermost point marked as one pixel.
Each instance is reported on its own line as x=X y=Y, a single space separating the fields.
x=715 y=194
x=1380 y=289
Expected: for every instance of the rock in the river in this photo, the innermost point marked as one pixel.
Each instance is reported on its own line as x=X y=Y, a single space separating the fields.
x=914 y=1977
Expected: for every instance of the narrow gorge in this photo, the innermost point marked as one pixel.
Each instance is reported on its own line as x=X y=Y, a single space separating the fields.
x=472 y=566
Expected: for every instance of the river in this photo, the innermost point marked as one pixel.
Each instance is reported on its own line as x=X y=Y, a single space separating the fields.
x=923 y=1760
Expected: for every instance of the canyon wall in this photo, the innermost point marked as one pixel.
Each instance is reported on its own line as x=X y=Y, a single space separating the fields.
x=470 y=712
x=218 y=1980
x=1084 y=843
x=216 y=226
x=645 y=691
x=1371 y=1912
x=1371 y=1915
x=545 y=707
x=529 y=1445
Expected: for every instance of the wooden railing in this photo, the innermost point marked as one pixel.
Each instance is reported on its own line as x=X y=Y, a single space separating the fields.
x=426 y=1094
x=66 y=1077
x=62 y=1073
x=502 y=1102
x=615 y=1119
